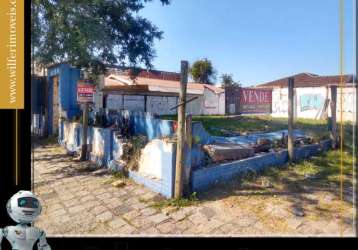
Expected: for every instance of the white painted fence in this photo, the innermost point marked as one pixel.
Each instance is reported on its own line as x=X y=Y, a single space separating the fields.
x=310 y=102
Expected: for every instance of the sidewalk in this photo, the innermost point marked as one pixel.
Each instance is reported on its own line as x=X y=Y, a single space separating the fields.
x=77 y=200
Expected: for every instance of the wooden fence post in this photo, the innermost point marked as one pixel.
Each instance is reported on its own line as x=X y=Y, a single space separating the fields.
x=290 y=141
x=178 y=191
x=84 y=133
x=188 y=146
x=333 y=128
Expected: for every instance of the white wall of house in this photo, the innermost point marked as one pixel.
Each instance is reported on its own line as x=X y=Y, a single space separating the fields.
x=114 y=102
x=349 y=104
x=162 y=104
x=213 y=103
x=210 y=103
x=310 y=102
x=195 y=107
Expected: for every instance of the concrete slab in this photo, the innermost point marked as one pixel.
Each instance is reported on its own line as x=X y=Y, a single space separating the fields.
x=228 y=151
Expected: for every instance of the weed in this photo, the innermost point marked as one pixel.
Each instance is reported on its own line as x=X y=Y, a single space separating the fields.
x=177 y=203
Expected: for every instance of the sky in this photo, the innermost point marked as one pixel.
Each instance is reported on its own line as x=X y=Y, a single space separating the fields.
x=256 y=41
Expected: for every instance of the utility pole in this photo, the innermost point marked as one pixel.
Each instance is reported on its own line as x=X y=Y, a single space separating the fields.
x=178 y=191
x=84 y=132
x=333 y=127
x=290 y=141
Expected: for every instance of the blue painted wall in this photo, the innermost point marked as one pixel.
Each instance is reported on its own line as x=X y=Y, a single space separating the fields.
x=67 y=91
x=206 y=176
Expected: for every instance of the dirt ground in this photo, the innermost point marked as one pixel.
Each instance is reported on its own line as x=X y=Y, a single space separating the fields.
x=79 y=199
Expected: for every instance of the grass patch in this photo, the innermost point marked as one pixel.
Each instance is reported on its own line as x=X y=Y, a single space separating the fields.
x=218 y=125
x=176 y=204
x=322 y=171
x=325 y=167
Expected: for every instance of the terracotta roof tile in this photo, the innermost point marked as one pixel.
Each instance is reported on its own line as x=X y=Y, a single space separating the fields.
x=308 y=80
x=118 y=81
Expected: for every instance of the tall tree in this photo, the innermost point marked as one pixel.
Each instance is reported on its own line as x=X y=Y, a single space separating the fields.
x=92 y=33
x=227 y=80
x=202 y=71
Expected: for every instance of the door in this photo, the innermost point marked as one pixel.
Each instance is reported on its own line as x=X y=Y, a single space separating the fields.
x=55 y=106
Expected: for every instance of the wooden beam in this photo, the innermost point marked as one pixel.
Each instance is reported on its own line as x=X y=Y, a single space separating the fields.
x=178 y=190
x=181 y=103
x=290 y=142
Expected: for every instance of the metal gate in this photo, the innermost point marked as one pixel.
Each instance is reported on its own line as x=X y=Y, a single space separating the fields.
x=232 y=100
x=38 y=105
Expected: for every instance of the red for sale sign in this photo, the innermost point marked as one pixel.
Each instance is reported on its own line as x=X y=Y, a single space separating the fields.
x=85 y=92
x=255 y=100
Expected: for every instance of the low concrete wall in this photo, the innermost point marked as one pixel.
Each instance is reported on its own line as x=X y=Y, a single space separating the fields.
x=99 y=141
x=205 y=177
x=156 y=165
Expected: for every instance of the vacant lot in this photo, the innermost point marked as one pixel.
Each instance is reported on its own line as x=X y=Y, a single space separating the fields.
x=301 y=199
x=325 y=168
x=320 y=173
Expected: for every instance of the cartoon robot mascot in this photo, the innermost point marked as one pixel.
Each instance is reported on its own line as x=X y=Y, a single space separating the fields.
x=24 y=208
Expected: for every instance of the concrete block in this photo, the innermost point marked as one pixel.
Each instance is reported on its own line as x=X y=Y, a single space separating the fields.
x=225 y=151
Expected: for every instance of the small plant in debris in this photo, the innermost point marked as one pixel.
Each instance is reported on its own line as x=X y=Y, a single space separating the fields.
x=176 y=203
x=132 y=151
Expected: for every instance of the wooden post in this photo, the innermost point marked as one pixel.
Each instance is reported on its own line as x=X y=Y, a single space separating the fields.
x=290 y=142
x=46 y=107
x=84 y=133
x=178 y=191
x=188 y=145
x=333 y=129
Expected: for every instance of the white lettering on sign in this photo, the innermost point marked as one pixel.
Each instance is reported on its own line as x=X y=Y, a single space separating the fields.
x=255 y=100
x=255 y=96
x=85 y=93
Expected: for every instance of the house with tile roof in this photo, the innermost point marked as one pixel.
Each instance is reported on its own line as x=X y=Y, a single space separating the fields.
x=158 y=92
x=312 y=95
x=305 y=80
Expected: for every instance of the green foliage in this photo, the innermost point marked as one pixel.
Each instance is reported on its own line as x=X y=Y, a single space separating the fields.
x=202 y=71
x=91 y=33
x=228 y=81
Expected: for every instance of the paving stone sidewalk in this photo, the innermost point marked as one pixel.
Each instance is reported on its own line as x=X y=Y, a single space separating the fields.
x=77 y=200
